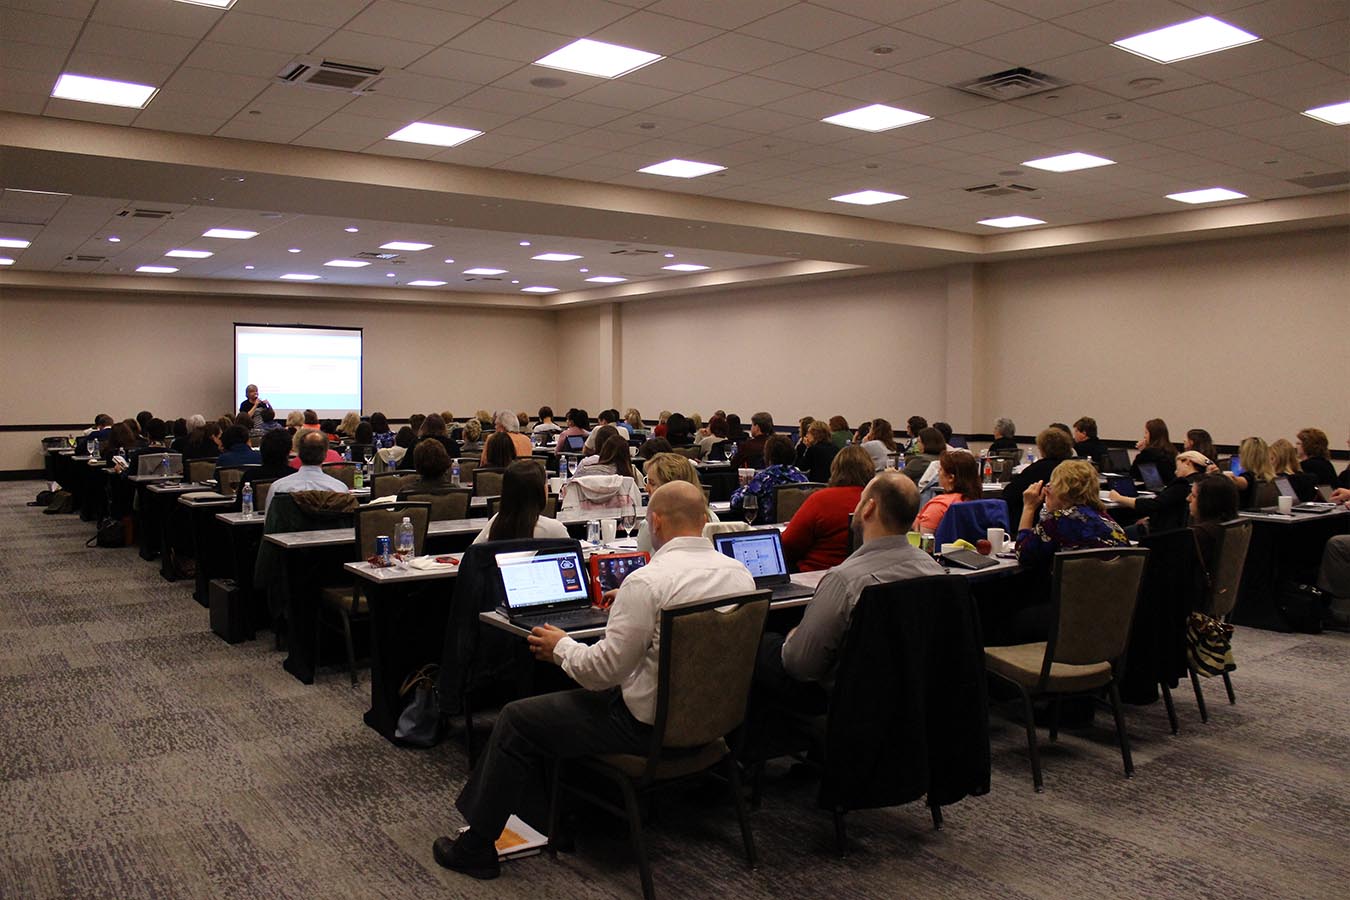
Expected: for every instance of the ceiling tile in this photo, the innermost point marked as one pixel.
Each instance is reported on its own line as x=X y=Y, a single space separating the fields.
x=516 y=103
x=1201 y=96
x=738 y=51
x=377 y=106
x=406 y=21
x=412 y=86
x=268 y=33
x=35 y=58
x=1276 y=17
x=242 y=60
x=1139 y=85
x=332 y=13
x=645 y=30
x=309 y=98
x=169 y=103
x=953 y=66
x=1125 y=18
x=113 y=40
x=695 y=108
x=1329 y=40
x=813 y=70
x=679 y=75
x=183 y=19
x=90 y=112
x=508 y=41
x=1034 y=44
x=720 y=15
x=181 y=121
x=626 y=95
x=26 y=102
x=120 y=68
x=768 y=121
x=462 y=65
x=36 y=28
x=1251 y=59
x=538 y=129
x=372 y=50
x=995 y=116
x=199 y=82
x=971 y=19
x=1248 y=110
x=750 y=90
x=580 y=113
x=72 y=9
x=606 y=139
x=574 y=18
x=807 y=26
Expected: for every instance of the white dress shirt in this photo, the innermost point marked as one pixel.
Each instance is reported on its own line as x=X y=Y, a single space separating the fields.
x=684 y=570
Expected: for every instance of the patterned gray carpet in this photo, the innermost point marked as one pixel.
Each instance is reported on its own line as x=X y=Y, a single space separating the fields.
x=140 y=756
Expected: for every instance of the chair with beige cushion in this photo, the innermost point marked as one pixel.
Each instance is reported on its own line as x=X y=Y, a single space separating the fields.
x=707 y=659
x=788 y=498
x=348 y=601
x=198 y=470
x=227 y=479
x=344 y=472
x=487 y=482
x=1093 y=597
x=444 y=507
x=260 y=490
x=389 y=484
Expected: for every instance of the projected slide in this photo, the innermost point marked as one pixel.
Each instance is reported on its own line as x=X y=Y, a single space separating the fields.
x=300 y=367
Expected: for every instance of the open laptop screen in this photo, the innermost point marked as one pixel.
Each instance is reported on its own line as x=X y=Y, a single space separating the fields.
x=1286 y=487
x=538 y=581
x=760 y=551
x=1118 y=461
x=1148 y=472
x=576 y=442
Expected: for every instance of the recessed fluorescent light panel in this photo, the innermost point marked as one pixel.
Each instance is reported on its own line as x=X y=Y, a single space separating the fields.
x=438 y=135
x=597 y=58
x=681 y=168
x=102 y=90
x=868 y=198
x=1207 y=195
x=484 y=271
x=684 y=267
x=156 y=270
x=556 y=257
x=14 y=243
x=1335 y=114
x=425 y=283
x=347 y=263
x=539 y=289
x=406 y=246
x=1186 y=40
x=1069 y=162
x=1012 y=222
x=6 y=261
x=606 y=279
x=298 y=276
x=190 y=254
x=214 y=4
x=233 y=234
x=877 y=117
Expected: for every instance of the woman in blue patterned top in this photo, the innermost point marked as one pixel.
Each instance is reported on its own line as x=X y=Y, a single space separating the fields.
x=779 y=455
x=1073 y=519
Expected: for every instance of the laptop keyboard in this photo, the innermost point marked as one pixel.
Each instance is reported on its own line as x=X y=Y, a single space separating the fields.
x=575 y=618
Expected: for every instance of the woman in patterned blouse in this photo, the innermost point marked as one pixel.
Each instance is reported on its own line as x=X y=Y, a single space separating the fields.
x=779 y=455
x=1073 y=519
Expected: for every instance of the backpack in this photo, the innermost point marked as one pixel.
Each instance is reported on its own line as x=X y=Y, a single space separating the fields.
x=58 y=502
x=111 y=533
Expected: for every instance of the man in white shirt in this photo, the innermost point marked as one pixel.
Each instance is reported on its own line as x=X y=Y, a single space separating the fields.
x=614 y=712
x=311 y=476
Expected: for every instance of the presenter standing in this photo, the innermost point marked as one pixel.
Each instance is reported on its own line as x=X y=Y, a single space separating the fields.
x=252 y=406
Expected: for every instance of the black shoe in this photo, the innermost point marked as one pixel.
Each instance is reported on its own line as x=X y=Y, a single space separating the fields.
x=453 y=854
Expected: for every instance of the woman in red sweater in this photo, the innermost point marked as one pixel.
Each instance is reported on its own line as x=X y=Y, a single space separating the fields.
x=959 y=478
x=817 y=536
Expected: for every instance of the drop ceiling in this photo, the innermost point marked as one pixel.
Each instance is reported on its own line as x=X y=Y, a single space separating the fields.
x=743 y=85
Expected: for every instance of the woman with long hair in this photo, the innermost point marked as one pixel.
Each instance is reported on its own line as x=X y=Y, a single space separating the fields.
x=1157 y=448
x=520 y=512
x=499 y=451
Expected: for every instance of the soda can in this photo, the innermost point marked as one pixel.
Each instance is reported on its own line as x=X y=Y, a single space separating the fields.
x=384 y=549
x=928 y=543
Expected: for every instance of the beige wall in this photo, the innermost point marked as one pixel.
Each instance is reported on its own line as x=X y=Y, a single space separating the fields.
x=1248 y=336
x=177 y=355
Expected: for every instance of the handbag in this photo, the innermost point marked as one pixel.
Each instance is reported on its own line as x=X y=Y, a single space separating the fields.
x=1209 y=645
x=420 y=722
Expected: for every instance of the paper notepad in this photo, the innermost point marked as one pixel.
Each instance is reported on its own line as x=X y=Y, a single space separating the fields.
x=518 y=840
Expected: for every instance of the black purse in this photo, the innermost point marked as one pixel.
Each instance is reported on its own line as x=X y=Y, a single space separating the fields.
x=420 y=722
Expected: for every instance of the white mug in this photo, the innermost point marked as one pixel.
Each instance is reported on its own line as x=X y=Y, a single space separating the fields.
x=555 y=485
x=1286 y=505
x=997 y=538
x=608 y=529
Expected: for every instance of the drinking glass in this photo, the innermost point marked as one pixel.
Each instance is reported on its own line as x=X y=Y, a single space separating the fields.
x=628 y=519
x=750 y=508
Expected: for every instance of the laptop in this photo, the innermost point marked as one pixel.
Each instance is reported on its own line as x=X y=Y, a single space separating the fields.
x=1148 y=472
x=762 y=553
x=576 y=442
x=149 y=463
x=1312 y=507
x=1121 y=484
x=1117 y=460
x=547 y=587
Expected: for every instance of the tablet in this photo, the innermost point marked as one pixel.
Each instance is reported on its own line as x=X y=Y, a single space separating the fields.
x=608 y=570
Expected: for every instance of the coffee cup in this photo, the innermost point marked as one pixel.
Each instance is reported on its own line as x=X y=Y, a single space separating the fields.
x=608 y=529
x=998 y=539
x=555 y=485
x=1286 y=505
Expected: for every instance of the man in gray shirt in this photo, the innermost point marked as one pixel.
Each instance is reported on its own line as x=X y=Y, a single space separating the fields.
x=798 y=670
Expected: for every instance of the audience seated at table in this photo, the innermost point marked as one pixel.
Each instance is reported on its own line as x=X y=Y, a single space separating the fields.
x=433 y=468
x=750 y=453
x=578 y=425
x=330 y=455
x=520 y=510
x=312 y=449
x=122 y=441
x=1086 y=444
x=717 y=434
x=817 y=537
x=1005 y=436
x=652 y=446
x=664 y=468
x=1315 y=455
x=913 y=425
x=380 y=434
x=1198 y=439
x=958 y=477
x=679 y=430
x=1284 y=460
x=498 y=451
x=840 y=434
x=1157 y=448
x=879 y=443
x=735 y=430
x=613 y=458
x=1168 y=508
x=778 y=457
x=508 y=423
x=202 y=443
x=1213 y=501
x=1074 y=517
x=347 y=427
x=545 y=427
x=236 y=450
x=1054 y=446
x=155 y=441
x=661 y=419
x=924 y=451
x=955 y=441
x=636 y=428
x=472 y=442
x=434 y=429
x=1255 y=469
x=816 y=452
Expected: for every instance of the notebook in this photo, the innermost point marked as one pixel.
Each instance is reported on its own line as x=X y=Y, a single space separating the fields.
x=547 y=588
x=762 y=553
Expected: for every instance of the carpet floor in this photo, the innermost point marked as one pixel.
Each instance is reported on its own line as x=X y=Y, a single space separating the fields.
x=142 y=757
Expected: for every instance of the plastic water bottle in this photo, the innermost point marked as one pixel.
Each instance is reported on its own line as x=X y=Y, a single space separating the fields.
x=164 y=466
x=403 y=538
x=1031 y=457
x=454 y=472
x=246 y=504
x=988 y=469
x=347 y=453
x=562 y=467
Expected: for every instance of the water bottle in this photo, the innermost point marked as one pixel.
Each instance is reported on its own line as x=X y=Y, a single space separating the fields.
x=164 y=466
x=1031 y=457
x=403 y=538
x=593 y=531
x=454 y=472
x=347 y=453
x=988 y=469
x=562 y=467
x=246 y=504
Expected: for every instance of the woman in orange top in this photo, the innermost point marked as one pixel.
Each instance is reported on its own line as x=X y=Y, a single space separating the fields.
x=959 y=478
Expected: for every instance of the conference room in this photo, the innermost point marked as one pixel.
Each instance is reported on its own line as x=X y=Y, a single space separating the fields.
x=813 y=267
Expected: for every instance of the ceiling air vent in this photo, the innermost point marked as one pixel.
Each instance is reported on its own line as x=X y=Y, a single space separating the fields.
x=139 y=212
x=371 y=254
x=330 y=75
x=1001 y=190
x=1325 y=180
x=632 y=251
x=80 y=257
x=1011 y=85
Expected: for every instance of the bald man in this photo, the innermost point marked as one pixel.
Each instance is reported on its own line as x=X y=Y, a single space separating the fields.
x=615 y=711
x=799 y=670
